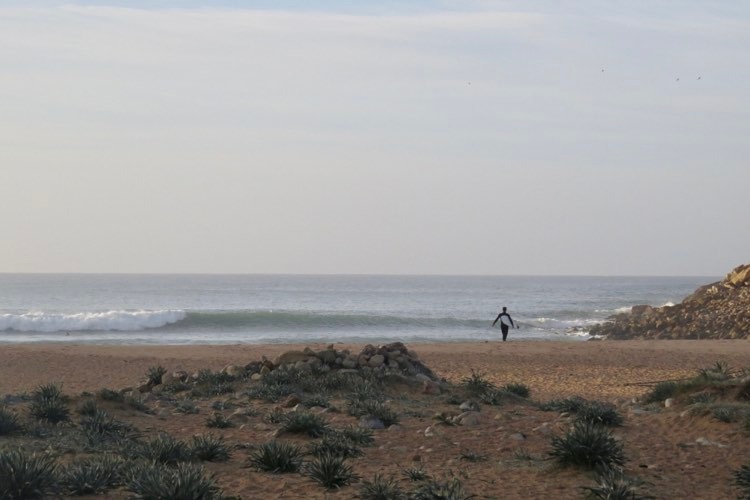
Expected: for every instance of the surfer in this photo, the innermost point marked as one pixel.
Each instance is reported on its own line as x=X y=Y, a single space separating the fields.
x=505 y=322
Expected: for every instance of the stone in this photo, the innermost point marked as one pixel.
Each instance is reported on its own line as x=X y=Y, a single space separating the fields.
x=376 y=360
x=291 y=357
x=518 y=436
x=469 y=419
x=265 y=370
x=469 y=406
x=255 y=377
x=328 y=356
x=669 y=402
x=349 y=363
x=290 y=401
x=253 y=367
x=431 y=388
x=370 y=422
x=168 y=378
x=233 y=371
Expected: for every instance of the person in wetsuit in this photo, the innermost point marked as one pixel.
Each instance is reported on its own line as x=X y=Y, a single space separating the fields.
x=503 y=326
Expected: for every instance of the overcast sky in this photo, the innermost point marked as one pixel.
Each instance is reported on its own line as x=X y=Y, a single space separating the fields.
x=385 y=137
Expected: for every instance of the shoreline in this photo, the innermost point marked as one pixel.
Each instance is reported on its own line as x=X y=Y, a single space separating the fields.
x=551 y=368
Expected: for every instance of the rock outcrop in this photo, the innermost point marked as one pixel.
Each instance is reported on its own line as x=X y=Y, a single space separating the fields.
x=719 y=310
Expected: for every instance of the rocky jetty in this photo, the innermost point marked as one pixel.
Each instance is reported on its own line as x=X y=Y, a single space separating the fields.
x=719 y=310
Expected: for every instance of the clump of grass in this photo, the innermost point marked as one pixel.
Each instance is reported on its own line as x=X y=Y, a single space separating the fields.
x=495 y=397
x=164 y=449
x=719 y=372
x=601 y=413
x=520 y=390
x=613 y=485
x=444 y=419
x=472 y=456
x=588 y=446
x=26 y=476
x=110 y=395
x=742 y=480
x=137 y=404
x=356 y=435
x=49 y=404
x=318 y=399
x=9 y=423
x=372 y=408
x=222 y=405
x=330 y=471
x=661 y=391
x=335 y=444
x=207 y=377
x=209 y=448
x=441 y=490
x=100 y=428
x=729 y=413
x=154 y=374
x=185 y=481
x=301 y=422
x=571 y=405
x=275 y=416
x=415 y=474
x=218 y=421
x=186 y=407
x=381 y=488
x=277 y=457
x=271 y=392
x=88 y=408
x=92 y=476
x=476 y=384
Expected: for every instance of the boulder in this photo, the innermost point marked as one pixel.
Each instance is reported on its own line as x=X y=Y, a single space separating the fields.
x=376 y=360
x=291 y=357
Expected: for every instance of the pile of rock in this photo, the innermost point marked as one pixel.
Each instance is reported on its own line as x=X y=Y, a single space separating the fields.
x=719 y=310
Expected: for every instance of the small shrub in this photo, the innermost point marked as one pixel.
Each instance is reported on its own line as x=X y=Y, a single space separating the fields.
x=381 y=488
x=154 y=374
x=442 y=418
x=137 y=404
x=440 y=490
x=277 y=457
x=331 y=471
x=719 y=372
x=26 y=476
x=471 y=456
x=415 y=474
x=335 y=444
x=729 y=413
x=357 y=435
x=88 y=408
x=571 y=405
x=185 y=481
x=311 y=400
x=164 y=449
x=601 y=413
x=53 y=410
x=92 y=476
x=9 y=423
x=301 y=422
x=271 y=392
x=661 y=391
x=207 y=377
x=495 y=397
x=588 y=446
x=222 y=405
x=517 y=389
x=742 y=480
x=373 y=408
x=100 y=428
x=218 y=421
x=476 y=384
x=613 y=485
x=209 y=448
x=110 y=395
x=275 y=416
x=186 y=407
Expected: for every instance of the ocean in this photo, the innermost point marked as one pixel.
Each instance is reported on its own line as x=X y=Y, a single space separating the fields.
x=230 y=309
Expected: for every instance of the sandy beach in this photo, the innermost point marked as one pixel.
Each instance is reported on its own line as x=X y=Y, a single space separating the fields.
x=660 y=447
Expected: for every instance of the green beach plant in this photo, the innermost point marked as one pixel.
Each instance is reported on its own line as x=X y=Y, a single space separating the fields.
x=277 y=457
x=381 y=488
x=24 y=475
x=154 y=374
x=9 y=423
x=330 y=471
x=92 y=476
x=588 y=446
x=49 y=404
x=209 y=448
x=185 y=481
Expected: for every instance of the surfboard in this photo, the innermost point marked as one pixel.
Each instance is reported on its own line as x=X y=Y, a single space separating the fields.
x=505 y=320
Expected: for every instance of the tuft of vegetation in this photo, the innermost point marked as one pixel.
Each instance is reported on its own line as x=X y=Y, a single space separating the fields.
x=9 y=423
x=476 y=384
x=222 y=405
x=372 y=408
x=218 y=421
x=330 y=471
x=49 y=404
x=275 y=416
x=185 y=481
x=100 y=428
x=742 y=480
x=277 y=457
x=271 y=392
x=588 y=446
x=613 y=485
x=335 y=444
x=186 y=407
x=570 y=405
x=600 y=413
x=92 y=476
x=471 y=456
x=730 y=412
x=381 y=488
x=661 y=391
x=88 y=408
x=164 y=449
x=110 y=395
x=137 y=404
x=717 y=373
x=415 y=474
x=26 y=476
x=357 y=435
x=301 y=422
x=154 y=374
x=209 y=448
x=317 y=399
x=441 y=490
x=520 y=390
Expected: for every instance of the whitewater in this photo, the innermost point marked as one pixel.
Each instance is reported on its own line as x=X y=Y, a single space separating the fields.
x=221 y=309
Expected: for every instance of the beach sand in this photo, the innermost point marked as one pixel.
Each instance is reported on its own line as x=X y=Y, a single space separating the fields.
x=660 y=447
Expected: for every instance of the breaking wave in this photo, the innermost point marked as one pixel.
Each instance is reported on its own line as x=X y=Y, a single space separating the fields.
x=37 y=321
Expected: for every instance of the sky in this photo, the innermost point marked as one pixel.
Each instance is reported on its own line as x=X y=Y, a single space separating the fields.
x=433 y=137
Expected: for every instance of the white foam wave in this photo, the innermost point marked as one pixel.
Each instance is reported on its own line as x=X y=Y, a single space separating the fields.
x=668 y=304
x=38 y=321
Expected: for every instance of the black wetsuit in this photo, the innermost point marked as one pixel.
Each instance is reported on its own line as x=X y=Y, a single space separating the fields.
x=503 y=327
